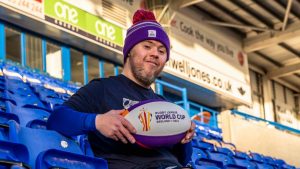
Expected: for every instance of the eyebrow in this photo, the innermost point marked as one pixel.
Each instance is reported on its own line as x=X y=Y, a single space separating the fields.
x=161 y=46
x=149 y=41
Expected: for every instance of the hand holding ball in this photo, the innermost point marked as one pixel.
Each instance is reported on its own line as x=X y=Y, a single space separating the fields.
x=158 y=123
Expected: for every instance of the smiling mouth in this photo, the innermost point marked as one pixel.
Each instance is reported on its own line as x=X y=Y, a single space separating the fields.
x=153 y=63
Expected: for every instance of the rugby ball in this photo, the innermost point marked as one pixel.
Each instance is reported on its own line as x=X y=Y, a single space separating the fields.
x=158 y=123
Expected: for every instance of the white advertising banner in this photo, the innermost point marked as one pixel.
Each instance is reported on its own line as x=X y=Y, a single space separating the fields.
x=203 y=58
x=31 y=7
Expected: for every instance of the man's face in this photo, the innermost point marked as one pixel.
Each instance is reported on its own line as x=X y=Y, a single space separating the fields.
x=147 y=59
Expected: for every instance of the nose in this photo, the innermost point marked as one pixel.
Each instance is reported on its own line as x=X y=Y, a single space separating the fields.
x=154 y=53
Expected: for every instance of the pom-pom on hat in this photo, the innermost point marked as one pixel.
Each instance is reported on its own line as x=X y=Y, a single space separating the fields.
x=145 y=27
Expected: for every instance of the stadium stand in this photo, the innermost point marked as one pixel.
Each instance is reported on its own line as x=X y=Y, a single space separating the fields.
x=210 y=151
x=27 y=98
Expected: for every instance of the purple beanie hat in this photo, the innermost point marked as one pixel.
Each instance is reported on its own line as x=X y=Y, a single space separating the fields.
x=145 y=27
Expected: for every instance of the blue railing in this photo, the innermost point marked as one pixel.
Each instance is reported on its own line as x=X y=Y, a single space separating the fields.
x=276 y=125
x=159 y=89
x=212 y=121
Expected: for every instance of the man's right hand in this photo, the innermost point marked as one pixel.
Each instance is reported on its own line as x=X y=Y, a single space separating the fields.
x=113 y=125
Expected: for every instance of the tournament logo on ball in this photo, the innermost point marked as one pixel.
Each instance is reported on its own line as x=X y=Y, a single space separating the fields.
x=145 y=118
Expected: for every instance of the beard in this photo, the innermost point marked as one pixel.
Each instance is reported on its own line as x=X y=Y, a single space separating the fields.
x=143 y=77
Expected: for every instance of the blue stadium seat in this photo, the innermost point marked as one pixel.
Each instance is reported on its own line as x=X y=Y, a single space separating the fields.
x=85 y=145
x=52 y=102
x=225 y=151
x=200 y=160
x=242 y=159
x=17 y=87
x=60 y=159
x=264 y=166
x=44 y=93
x=198 y=143
x=5 y=117
x=64 y=96
x=37 y=124
x=282 y=164
x=221 y=160
x=220 y=157
x=13 y=155
x=287 y=166
x=38 y=141
x=257 y=157
x=2 y=85
x=2 y=105
x=259 y=161
x=194 y=166
x=5 y=129
x=241 y=155
x=21 y=91
x=201 y=134
x=37 y=87
x=24 y=100
x=215 y=133
x=269 y=160
x=27 y=113
x=12 y=78
x=198 y=153
x=204 y=130
x=244 y=163
x=15 y=83
x=4 y=98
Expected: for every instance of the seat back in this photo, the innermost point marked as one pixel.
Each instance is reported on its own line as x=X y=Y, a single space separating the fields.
x=37 y=124
x=27 y=114
x=244 y=163
x=13 y=154
x=85 y=145
x=224 y=159
x=38 y=140
x=5 y=128
x=60 y=159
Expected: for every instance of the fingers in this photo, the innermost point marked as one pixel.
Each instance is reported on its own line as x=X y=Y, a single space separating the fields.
x=127 y=135
x=125 y=122
x=126 y=129
x=193 y=126
x=189 y=135
x=115 y=138
x=122 y=134
x=128 y=125
x=113 y=125
x=121 y=137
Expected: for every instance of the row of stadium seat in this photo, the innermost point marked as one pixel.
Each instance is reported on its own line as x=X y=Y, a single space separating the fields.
x=212 y=153
x=27 y=100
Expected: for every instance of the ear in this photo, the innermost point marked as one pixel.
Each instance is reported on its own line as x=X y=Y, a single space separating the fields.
x=128 y=55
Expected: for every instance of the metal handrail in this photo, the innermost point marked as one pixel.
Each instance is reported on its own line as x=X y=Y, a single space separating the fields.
x=160 y=83
x=185 y=103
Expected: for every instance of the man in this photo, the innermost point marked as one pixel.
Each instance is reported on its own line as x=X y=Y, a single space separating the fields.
x=95 y=109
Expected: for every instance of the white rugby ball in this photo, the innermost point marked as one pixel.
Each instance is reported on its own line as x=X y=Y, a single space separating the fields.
x=158 y=123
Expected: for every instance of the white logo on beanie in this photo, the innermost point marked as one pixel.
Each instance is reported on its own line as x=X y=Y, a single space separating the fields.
x=151 y=33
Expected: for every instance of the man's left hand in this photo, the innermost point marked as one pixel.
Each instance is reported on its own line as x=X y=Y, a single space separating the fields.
x=190 y=134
